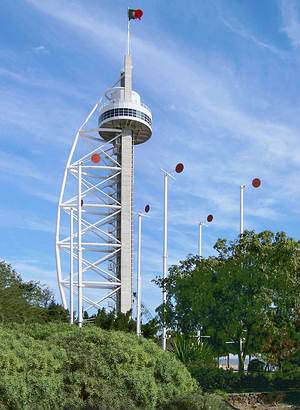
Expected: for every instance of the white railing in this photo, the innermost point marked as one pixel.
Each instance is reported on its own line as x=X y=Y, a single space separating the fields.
x=145 y=106
x=110 y=101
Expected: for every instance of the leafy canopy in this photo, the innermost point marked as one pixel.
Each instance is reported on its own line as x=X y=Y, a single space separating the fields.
x=247 y=293
x=22 y=301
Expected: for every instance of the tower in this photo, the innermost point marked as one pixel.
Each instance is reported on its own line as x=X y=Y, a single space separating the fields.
x=94 y=232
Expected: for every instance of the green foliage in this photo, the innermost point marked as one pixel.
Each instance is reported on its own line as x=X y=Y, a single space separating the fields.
x=192 y=353
x=59 y=366
x=197 y=401
x=55 y=313
x=150 y=329
x=249 y=292
x=256 y=365
x=26 y=301
x=31 y=376
x=113 y=321
x=212 y=380
x=124 y=322
x=287 y=378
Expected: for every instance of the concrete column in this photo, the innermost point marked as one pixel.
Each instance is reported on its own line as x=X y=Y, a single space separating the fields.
x=128 y=78
x=126 y=222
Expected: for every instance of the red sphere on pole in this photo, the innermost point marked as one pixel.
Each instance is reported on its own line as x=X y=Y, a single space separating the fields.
x=95 y=158
x=209 y=218
x=256 y=182
x=179 y=168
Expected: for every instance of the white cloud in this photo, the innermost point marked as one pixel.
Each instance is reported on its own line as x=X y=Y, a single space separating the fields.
x=46 y=196
x=241 y=31
x=31 y=269
x=20 y=166
x=25 y=220
x=291 y=23
x=40 y=50
x=35 y=269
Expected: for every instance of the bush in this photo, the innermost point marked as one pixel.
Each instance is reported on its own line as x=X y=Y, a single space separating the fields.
x=192 y=353
x=137 y=370
x=211 y=379
x=287 y=378
x=256 y=365
x=219 y=379
x=197 y=401
x=58 y=366
x=31 y=373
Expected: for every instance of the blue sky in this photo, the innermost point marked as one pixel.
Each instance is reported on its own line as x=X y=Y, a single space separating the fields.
x=222 y=80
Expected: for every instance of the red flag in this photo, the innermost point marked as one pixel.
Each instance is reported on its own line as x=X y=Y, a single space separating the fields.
x=135 y=14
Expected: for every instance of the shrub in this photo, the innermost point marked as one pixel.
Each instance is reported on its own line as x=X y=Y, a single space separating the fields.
x=31 y=373
x=288 y=377
x=136 y=369
x=56 y=367
x=211 y=379
x=256 y=365
x=219 y=379
x=197 y=401
x=192 y=353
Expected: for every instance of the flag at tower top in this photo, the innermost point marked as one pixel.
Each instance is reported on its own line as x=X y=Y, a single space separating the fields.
x=135 y=14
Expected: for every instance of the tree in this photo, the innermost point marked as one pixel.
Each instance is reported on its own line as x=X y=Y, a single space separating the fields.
x=113 y=321
x=56 y=313
x=124 y=322
x=150 y=329
x=249 y=290
x=22 y=301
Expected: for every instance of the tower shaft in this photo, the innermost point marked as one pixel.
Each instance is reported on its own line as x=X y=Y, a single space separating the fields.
x=125 y=274
x=126 y=222
x=128 y=77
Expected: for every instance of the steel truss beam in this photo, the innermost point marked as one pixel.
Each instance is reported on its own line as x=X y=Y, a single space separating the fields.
x=88 y=220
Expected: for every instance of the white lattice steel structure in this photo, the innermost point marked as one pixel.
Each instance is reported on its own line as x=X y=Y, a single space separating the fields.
x=94 y=219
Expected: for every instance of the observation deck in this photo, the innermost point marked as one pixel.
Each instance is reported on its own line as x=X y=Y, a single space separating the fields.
x=125 y=113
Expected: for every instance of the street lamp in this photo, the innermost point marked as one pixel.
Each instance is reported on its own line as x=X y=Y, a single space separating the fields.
x=201 y=224
x=139 y=280
x=178 y=169
x=256 y=183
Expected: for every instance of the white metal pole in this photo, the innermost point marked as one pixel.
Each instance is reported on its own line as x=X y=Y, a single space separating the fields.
x=128 y=36
x=200 y=240
x=165 y=257
x=242 y=189
x=139 y=289
x=241 y=348
x=71 y=266
x=79 y=248
x=199 y=336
